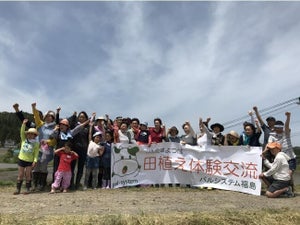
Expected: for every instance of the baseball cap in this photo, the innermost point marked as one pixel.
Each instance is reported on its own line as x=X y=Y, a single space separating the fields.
x=274 y=145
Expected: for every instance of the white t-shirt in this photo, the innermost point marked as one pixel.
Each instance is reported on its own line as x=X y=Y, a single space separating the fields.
x=93 y=149
x=285 y=141
x=279 y=169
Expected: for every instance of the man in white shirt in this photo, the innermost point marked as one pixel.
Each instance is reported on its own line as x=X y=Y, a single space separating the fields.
x=278 y=177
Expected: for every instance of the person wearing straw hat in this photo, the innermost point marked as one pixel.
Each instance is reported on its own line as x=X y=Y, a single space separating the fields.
x=277 y=178
x=232 y=138
x=28 y=156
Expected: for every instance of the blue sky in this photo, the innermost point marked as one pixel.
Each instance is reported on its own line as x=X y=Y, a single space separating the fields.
x=174 y=60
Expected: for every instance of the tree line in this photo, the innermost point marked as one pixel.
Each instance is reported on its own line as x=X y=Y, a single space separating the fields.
x=10 y=126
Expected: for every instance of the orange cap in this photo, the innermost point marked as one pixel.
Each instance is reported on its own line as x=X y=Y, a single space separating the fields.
x=274 y=145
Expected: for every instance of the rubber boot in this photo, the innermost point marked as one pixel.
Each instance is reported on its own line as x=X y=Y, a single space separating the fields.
x=86 y=179
x=94 y=178
x=292 y=183
x=103 y=184
x=108 y=185
x=100 y=175
x=35 y=180
x=28 y=186
x=78 y=178
x=19 y=185
x=43 y=181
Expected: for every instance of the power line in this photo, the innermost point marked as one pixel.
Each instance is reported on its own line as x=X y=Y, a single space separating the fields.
x=263 y=112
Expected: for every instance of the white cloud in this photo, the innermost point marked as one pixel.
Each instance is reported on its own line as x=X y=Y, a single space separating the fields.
x=174 y=60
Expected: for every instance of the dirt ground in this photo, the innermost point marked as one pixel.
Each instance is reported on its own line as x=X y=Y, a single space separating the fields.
x=135 y=201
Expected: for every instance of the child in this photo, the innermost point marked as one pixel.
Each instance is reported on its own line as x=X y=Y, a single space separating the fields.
x=93 y=160
x=63 y=174
x=106 y=160
x=143 y=135
x=28 y=156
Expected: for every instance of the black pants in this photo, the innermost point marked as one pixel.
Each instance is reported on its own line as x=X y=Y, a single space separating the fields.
x=80 y=162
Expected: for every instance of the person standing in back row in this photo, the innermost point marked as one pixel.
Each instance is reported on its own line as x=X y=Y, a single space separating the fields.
x=267 y=129
x=158 y=132
x=282 y=134
x=45 y=127
x=81 y=142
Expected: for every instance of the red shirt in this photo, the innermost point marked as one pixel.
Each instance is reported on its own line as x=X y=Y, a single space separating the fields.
x=156 y=136
x=65 y=160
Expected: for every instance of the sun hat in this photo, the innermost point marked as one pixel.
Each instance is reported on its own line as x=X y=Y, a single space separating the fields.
x=51 y=113
x=101 y=118
x=98 y=133
x=274 y=145
x=32 y=131
x=234 y=134
x=217 y=125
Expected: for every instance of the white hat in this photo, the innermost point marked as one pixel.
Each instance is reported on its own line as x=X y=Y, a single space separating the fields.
x=51 y=113
x=101 y=118
x=234 y=134
x=32 y=131
x=144 y=123
x=98 y=133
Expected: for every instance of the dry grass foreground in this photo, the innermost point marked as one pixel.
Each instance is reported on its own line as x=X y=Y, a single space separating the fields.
x=146 y=206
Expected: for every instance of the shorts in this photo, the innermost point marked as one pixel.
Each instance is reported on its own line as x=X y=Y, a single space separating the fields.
x=292 y=164
x=277 y=184
x=92 y=163
x=23 y=163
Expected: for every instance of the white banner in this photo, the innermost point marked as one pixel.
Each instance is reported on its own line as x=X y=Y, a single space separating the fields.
x=221 y=167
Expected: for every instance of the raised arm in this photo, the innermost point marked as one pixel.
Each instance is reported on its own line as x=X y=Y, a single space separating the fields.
x=258 y=128
x=287 y=129
x=258 y=116
x=91 y=126
x=22 y=130
x=21 y=117
x=38 y=121
x=57 y=114
x=250 y=113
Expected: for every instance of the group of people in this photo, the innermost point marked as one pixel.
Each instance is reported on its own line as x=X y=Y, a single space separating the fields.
x=82 y=142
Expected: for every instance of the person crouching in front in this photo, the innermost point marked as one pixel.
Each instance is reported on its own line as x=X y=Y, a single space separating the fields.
x=278 y=177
